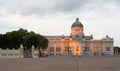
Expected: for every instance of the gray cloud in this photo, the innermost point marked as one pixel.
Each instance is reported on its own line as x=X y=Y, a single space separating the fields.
x=5 y=27
x=71 y=5
x=15 y=14
x=43 y=7
x=40 y=7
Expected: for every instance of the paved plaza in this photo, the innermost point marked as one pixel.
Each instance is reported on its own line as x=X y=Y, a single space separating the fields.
x=109 y=63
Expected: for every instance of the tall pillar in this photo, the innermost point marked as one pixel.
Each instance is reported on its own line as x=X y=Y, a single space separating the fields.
x=21 y=50
x=55 y=49
x=33 y=48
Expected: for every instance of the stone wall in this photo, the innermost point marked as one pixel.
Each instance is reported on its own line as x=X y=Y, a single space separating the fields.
x=7 y=53
x=17 y=53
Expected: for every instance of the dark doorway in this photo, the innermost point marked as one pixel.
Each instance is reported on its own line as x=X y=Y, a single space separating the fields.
x=27 y=53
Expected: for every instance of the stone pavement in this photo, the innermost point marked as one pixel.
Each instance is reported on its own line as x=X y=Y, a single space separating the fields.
x=109 y=63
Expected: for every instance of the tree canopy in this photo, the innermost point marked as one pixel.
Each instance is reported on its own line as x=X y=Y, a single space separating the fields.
x=13 y=39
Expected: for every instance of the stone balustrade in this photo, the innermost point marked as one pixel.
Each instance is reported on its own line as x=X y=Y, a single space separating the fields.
x=17 y=53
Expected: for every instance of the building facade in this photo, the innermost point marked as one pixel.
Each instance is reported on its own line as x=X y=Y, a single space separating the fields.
x=78 y=44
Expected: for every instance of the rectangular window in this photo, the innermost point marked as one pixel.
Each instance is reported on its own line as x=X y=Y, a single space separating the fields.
x=51 y=48
x=77 y=48
x=58 y=39
x=66 y=39
x=51 y=39
x=66 y=48
x=87 y=48
x=107 y=48
x=58 y=49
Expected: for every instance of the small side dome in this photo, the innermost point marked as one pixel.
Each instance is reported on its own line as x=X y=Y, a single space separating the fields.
x=107 y=38
x=77 y=23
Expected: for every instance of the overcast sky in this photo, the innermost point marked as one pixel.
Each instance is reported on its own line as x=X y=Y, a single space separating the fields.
x=55 y=17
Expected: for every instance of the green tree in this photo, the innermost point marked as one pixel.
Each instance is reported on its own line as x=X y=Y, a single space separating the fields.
x=31 y=39
x=3 y=41
x=15 y=38
x=43 y=41
x=35 y=39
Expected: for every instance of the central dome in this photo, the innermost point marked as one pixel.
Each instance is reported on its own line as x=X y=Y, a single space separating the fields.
x=77 y=23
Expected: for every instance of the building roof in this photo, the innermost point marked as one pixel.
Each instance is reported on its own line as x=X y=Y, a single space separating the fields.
x=77 y=23
x=57 y=36
x=77 y=37
x=107 y=38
